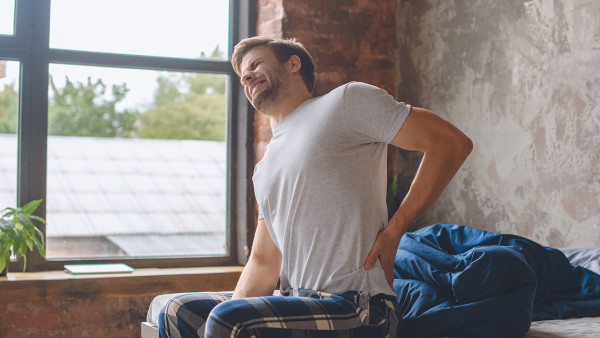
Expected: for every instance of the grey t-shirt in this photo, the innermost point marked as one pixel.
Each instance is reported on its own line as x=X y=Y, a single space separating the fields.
x=321 y=188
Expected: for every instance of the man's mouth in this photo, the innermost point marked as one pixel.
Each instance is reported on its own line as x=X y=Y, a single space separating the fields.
x=256 y=85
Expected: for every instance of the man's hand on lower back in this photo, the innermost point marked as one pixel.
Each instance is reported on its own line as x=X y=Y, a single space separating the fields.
x=384 y=249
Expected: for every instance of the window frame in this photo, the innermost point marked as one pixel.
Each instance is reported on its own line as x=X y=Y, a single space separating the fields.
x=30 y=45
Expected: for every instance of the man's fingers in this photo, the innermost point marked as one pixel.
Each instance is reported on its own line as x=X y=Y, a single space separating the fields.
x=372 y=257
x=390 y=278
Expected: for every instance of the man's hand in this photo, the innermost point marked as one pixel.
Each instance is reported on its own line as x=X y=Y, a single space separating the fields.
x=384 y=249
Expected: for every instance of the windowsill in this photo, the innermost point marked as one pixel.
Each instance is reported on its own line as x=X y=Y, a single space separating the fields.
x=58 y=285
x=61 y=275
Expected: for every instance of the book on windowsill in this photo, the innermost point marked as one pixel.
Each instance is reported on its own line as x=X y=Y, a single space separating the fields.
x=97 y=268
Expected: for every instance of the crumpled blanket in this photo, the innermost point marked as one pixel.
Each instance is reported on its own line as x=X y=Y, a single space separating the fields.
x=454 y=280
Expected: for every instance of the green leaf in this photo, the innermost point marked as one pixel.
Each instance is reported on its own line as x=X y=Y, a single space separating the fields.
x=7 y=212
x=5 y=224
x=30 y=207
x=25 y=220
x=22 y=248
x=42 y=251
x=40 y=246
x=37 y=218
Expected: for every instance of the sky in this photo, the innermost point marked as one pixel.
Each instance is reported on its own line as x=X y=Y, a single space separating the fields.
x=6 y=18
x=173 y=28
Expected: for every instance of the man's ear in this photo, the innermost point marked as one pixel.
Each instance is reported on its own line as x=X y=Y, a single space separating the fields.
x=295 y=63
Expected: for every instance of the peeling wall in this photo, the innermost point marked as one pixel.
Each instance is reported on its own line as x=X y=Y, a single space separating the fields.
x=522 y=79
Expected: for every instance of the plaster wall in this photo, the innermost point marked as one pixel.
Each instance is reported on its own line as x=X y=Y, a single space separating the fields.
x=522 y=79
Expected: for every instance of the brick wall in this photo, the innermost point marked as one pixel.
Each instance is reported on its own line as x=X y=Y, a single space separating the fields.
x=351 y=40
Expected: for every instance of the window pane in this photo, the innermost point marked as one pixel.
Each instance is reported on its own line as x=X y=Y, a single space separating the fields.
x=176 y=28
x=7 y=17
x=136 y=163
x=9 y=122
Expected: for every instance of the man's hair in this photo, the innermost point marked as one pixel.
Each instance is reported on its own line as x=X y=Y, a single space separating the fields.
x=283 y=50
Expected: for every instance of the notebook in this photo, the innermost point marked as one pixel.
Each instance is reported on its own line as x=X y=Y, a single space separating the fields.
x=98 y=268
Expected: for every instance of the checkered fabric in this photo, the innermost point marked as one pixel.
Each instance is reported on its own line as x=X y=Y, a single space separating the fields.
x=298 y=313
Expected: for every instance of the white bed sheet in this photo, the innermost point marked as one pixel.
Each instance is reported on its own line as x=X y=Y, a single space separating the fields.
x=589 y=258
x=565 y=328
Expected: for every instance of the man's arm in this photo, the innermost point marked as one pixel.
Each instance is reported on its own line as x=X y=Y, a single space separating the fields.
x=261 y=273
x=445 y=148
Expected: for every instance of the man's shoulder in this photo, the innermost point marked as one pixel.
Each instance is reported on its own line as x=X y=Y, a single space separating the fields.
x=352 y=88
x=355 y=87
x=351 y=94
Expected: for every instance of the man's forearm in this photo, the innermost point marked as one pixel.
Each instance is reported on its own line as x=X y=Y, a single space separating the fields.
x=256 y=280
x=437 y=168
x=262 y=270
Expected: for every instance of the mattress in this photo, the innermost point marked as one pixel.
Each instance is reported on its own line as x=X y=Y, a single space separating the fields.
x=589 y=258
x=565 y=328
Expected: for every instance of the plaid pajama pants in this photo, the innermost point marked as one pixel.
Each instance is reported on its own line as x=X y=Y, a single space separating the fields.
x=299 y=313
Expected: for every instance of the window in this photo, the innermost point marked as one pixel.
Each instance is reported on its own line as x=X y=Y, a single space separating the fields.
x=133 y=130
x=7 y=17
x=140 y=27
x=9 y=124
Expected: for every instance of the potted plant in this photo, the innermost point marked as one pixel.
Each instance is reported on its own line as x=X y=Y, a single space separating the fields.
x=17 y=232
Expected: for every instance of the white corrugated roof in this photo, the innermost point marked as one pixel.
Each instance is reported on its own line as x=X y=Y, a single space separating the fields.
x=111 y=186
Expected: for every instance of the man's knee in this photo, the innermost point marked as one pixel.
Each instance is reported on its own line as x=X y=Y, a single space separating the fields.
x=186 y=314
x=231 y=318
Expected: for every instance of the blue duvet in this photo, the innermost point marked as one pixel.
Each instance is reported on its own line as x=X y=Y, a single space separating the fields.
x=455 y=280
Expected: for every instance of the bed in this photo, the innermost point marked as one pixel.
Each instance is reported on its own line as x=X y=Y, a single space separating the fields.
x=588 y=258
x=474 y=315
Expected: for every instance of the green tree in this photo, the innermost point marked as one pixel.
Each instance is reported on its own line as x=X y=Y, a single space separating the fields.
x=9 y=110
x=187 y=107
x=81 y=109
x=217 y=54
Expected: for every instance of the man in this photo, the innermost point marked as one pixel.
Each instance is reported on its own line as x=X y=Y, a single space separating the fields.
x=322 y=227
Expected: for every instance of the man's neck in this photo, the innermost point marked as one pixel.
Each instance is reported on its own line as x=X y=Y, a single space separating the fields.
x=285 y=104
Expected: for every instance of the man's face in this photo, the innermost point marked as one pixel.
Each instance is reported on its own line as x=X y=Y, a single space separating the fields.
x=262 y=77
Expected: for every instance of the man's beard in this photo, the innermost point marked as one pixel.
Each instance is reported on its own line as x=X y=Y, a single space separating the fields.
x=263 y=100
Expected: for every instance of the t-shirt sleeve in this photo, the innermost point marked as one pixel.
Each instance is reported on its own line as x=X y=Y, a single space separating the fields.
x=371 y=114
x=260 y=214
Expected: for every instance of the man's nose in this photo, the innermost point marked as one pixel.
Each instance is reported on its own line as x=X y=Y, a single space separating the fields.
x=247 y=78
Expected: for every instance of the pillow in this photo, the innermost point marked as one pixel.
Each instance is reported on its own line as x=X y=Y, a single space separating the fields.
x=588 y=258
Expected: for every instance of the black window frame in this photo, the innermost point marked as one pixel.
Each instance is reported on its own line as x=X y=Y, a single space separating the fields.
x=29 y=44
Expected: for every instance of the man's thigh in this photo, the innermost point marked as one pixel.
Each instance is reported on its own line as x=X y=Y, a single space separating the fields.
x=185 y=315
x=283 y=316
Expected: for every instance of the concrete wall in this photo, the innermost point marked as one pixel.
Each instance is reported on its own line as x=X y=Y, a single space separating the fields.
x=522 y=79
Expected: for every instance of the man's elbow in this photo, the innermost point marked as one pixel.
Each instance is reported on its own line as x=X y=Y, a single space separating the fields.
x=267 y=262
x=463 y=145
